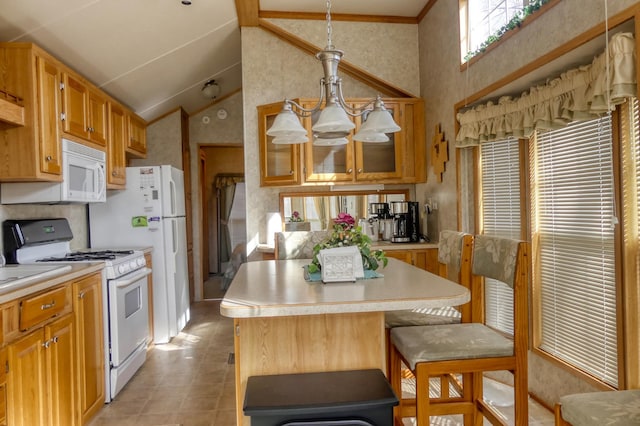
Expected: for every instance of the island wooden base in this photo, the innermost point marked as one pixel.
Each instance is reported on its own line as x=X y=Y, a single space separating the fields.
x=305 y=344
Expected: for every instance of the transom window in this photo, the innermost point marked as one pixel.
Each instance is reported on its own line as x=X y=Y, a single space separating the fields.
x=483 y=22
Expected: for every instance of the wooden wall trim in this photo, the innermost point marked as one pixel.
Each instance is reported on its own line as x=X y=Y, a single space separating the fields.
x=247 y=11
x=348 y=68
x=321 y=16
x=427 y=7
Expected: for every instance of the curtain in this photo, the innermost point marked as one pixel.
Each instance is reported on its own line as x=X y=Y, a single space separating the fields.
x=323 y=211
x=226 y=188
x=578 y=94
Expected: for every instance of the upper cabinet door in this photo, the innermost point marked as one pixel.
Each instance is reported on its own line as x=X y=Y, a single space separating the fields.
x=381 y=160
x=116 y=161
x=48 y=80
x=137 y=139
x=76 y=98
x=332 y=163
x=98 y=118
x=279 y=164
x=85 y=111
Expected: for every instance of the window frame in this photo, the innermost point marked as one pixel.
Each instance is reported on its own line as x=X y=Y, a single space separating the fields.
x=463 y=22
x=627 y=279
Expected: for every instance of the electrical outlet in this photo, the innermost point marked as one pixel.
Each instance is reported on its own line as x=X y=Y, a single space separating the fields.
x=434 y=205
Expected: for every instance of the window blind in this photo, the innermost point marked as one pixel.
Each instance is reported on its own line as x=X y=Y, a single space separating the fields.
x=573 y=225
x=500 y=163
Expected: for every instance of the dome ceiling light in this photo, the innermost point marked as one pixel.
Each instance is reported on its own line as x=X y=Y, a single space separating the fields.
x=211 y=89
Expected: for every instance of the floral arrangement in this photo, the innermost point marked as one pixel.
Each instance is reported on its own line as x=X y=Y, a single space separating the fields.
x=346 y=234
x=296 y=217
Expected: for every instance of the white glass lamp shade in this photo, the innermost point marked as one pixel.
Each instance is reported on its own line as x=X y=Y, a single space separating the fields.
x=370 y=137
x=287 y=124
x=379 y=121
x=333 y=118
x=289 y=140
x=330 y=142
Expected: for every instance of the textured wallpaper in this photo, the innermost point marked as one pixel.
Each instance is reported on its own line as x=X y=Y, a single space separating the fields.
x=274 y=70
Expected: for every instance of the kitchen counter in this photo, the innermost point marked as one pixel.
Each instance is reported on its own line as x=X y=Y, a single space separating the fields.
x=278 y=288
x=77 y=270
x=284 y=324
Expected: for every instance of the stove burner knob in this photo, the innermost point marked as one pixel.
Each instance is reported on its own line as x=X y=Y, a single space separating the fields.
x=122 y=269
x=141 y=261
x=132 y=264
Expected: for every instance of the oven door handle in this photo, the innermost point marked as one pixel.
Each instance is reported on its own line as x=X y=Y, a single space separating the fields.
x=135 y=276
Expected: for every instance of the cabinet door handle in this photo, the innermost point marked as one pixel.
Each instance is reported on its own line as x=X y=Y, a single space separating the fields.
x=113 y=173
x=55 y=339
x=46 y=344
x=350 y=171
x=359 y=170
x=48 y=158
x=291 y=172
x=81 y=295
x=48 y=305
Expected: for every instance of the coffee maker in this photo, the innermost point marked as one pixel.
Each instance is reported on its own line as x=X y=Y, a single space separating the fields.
x=373 y=225
x=406 y=221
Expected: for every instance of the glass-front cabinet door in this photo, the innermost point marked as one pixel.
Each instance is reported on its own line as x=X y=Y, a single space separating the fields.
x=280 y=163
x=327 y=163
x=381 y=160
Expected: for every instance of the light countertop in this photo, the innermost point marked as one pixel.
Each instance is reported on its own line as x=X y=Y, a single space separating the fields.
x=77 y=270
x=277 y=288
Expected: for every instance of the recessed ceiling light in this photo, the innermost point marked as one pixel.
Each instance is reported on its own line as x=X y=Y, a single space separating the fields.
x=186 y=2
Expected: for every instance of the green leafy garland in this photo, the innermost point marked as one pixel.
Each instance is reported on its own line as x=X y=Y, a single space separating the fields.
x=345 y=235
x=515 y=22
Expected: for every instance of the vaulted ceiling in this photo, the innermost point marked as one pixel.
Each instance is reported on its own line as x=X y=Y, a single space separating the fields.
x=155 y=55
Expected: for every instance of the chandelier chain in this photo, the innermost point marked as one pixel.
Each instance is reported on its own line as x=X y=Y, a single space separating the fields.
x=329 y=28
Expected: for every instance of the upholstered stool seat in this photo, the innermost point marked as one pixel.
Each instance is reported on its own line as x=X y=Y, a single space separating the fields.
x=424 y=316
x=610 y=408
x=439 y=342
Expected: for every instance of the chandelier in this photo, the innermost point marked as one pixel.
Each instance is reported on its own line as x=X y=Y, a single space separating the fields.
x=333 y=125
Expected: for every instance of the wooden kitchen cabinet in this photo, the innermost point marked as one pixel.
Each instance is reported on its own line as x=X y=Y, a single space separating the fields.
x=116 y=158
x=40 y=378
x=3 y=387
x=89 y=346
x=426 y=259
x=55 y=101
x=32 y=151
x=400 y=160
x=48 y=81
x=137 y=139
x=85 y=110
x=279 y=164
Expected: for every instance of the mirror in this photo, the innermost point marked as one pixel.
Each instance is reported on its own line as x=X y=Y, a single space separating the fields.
x=318 y=208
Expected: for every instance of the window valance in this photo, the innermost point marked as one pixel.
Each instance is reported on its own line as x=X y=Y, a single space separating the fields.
x=578 y=94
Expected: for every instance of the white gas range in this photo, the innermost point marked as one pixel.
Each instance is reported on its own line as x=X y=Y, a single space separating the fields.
x=124 y=289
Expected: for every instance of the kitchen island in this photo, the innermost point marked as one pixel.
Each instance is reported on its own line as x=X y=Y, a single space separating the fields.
x=284 y=324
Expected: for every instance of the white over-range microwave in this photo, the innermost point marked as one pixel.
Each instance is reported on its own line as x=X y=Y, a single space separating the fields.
x=83 y=180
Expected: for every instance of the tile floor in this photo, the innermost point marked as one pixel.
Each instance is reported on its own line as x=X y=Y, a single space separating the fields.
x=187 y=382
x=190 y=381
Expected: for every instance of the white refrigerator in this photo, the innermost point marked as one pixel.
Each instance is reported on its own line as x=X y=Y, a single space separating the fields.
x=151 y=212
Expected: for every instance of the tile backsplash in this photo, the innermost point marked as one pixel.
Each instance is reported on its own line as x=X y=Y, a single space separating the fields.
x=75 y=213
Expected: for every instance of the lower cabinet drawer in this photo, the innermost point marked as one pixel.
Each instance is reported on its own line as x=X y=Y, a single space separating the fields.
x=44 y=306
